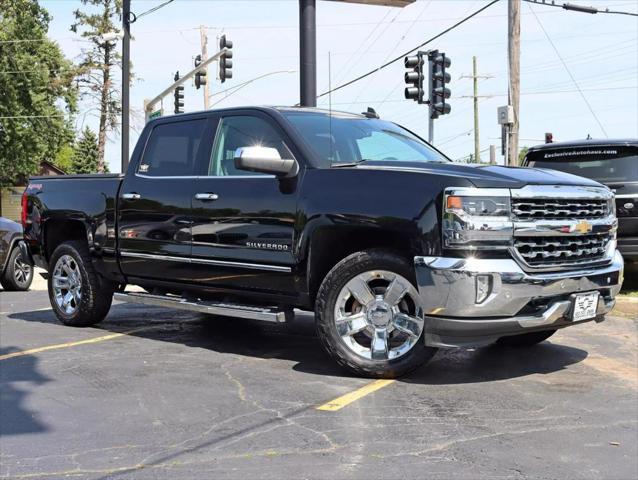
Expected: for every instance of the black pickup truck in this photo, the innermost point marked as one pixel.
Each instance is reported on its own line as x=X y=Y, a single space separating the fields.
x=252 y=212
x=613 y=163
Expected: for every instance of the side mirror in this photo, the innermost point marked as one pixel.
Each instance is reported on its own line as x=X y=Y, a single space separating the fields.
x=264 y=160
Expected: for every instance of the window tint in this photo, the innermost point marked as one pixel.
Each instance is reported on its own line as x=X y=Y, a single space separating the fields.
x=172 y=149
x=342 y=138
x=242 y=131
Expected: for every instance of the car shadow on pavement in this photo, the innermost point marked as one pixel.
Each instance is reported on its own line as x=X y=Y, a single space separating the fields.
x=495 y=362
x=15 y=418
x=297 y=342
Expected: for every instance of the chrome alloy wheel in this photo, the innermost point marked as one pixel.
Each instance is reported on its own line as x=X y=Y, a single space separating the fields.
x=21 y=271
x=67 y=284
x=378 y=315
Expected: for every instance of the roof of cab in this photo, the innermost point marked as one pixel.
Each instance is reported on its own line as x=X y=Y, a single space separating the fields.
x=263 y=108
x=601 y=142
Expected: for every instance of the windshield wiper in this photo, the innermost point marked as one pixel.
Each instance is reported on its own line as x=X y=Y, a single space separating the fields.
x=350 y=164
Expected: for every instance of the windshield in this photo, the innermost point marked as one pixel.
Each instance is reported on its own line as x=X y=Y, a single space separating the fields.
x=605 y=166
x=345 y=138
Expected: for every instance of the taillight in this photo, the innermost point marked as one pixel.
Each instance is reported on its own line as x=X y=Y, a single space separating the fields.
x=25 y=208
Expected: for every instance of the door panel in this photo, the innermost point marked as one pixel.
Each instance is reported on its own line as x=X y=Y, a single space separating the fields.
x=243 y=234
x=155 y=209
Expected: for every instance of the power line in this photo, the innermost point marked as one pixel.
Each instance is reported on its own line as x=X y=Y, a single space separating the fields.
x=151 y=10
x=569 y=72
x=581 y=8
x=430 y=40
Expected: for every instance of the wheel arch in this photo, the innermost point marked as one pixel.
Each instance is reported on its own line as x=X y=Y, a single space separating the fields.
x=331 y=244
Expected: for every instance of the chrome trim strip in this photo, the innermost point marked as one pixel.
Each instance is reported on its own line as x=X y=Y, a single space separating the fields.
x=478 y=192
x=627 y=195
x=562 y=192
x=200 y=177
x=204 y=261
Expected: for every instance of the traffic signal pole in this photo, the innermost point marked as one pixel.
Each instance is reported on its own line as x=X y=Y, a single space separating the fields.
x=148 y=105
x=204 y=41
x=308 y=53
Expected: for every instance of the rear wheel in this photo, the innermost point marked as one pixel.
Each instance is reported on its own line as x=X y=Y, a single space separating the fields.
x=525 y=339
x=369 y=316
x=18 y=274
x=78 y=295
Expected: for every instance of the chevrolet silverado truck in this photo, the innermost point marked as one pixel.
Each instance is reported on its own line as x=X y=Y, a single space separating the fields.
x=613 y=163
x=253 y=212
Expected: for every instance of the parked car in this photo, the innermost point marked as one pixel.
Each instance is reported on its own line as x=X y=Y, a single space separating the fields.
x=399 y=251
x=611 y=162
x=16 y=273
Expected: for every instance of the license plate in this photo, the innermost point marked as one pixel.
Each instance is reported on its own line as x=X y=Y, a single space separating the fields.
x=585 y=305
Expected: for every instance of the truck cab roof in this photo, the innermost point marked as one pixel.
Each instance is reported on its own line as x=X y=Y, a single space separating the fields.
x=619 y=142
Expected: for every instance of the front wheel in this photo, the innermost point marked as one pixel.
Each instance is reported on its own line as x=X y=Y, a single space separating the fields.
x=78 y=295
x=369 y=315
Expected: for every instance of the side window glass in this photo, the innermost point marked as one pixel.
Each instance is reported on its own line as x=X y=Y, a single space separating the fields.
x=172 y=149
x=242 y=131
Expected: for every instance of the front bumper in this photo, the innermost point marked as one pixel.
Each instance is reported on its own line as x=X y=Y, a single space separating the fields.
x=518 y=302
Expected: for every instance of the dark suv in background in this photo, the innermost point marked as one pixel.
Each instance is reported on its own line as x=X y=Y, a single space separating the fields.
x=613 y=163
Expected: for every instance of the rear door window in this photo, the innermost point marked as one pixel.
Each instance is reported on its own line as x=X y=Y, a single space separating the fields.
x=173 y=149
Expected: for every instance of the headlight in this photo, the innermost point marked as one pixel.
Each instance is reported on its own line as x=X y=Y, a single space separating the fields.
x=477 y=218
x=479 y=206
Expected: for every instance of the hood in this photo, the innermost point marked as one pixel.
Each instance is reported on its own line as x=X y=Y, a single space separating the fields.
x=485 y=176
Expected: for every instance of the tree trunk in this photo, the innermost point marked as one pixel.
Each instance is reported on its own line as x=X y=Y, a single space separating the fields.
x=104 y=107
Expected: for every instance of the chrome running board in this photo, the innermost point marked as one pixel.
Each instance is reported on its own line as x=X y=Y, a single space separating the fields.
x=264 y=314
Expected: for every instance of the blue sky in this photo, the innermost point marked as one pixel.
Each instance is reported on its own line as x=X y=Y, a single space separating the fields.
x=600 y=51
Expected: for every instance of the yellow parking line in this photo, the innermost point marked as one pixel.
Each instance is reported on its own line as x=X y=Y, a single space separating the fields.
x=70 y=344
x=348 y=398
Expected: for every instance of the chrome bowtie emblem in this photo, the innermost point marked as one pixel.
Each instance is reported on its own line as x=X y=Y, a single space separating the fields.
x=583 y=227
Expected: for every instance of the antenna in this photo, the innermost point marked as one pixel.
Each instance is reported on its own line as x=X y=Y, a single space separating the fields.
x=330 y=109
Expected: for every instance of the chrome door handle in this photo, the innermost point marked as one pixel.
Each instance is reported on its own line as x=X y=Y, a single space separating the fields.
x=206 y=197
x=131 y=196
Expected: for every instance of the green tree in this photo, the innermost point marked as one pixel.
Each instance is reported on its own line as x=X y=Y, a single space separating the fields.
x=64 y=158
x=521 y=155
x=85 y=153
x=37 y=92
x=98 y=63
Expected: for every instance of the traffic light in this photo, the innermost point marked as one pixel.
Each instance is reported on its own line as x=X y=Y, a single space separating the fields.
x=414 y=77
x=178 y=94
x=225 y=60
x=549 y=137
x=200 y=77
x=439 y=93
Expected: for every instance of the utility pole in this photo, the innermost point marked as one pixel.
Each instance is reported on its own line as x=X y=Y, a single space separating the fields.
x=514 y=58
x=477 y=149
x=126 y=80
x=204 y=41
x=475 y=99
x=493 y=154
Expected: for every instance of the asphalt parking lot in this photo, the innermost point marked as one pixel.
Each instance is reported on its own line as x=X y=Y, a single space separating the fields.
x=155 y=393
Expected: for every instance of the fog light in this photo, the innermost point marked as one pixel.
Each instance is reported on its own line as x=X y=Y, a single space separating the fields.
x=483 y=287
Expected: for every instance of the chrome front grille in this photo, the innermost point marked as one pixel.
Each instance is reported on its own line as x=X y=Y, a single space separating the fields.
x=559 y=250
x=559 y=209
x=561 y=227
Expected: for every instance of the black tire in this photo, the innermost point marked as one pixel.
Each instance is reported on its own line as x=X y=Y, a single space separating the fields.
x=16 y=279
x=96 y=295
x=525 y=339
x=334 y=281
